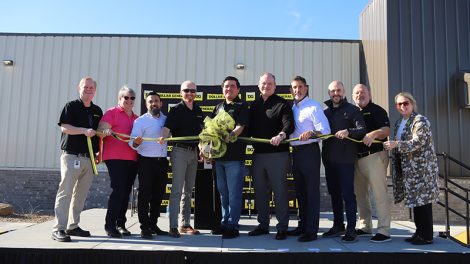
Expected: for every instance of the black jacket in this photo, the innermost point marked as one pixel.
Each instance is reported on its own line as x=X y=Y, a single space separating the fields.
x=345 y=116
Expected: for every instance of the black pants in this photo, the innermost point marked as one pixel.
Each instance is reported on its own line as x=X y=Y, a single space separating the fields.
x=152 y=183
x=306 y=169
x=122 y=174
x=423 y=221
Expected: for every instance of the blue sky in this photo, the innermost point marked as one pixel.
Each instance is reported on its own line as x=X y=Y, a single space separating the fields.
x=320 y=19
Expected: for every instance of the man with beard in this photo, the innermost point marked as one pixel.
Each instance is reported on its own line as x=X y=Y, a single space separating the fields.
x=152 y=165
x=79 y=119
x=184 y=119
x=339 y=155
x=371 y=168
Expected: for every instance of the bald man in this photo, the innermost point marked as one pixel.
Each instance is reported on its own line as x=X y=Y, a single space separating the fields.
x=184 y=119
x=339 y=155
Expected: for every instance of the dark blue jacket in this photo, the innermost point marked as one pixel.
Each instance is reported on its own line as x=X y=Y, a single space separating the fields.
x=345 y=116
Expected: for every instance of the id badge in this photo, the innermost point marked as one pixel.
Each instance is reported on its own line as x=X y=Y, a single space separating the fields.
x=76 y=164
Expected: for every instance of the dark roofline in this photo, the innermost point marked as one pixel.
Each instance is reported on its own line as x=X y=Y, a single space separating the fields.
x=175 y=36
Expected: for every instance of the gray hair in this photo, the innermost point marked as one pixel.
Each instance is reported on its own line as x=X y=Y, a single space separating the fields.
x=124 y=89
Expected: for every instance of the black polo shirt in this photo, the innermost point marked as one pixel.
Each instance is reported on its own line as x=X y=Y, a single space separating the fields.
x=267 y=119
x=238 y=110
x=76 y=114
x=183 y=121
x=375 y=117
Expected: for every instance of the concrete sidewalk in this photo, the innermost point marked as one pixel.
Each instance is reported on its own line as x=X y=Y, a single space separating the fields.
x=26 y=235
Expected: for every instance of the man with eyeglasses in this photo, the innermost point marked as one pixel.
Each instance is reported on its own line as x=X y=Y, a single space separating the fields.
x=152 y=165
x=79 y=119
x=184 y=119
x=370 y=170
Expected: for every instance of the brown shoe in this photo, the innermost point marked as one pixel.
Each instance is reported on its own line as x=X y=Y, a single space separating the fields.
x=188 y=230
x=174 y=233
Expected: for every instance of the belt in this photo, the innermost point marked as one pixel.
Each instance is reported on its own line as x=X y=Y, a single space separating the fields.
x=81 y=155
x=367 y=153
x=186 y=147
x=304 y=145
x=153 y=158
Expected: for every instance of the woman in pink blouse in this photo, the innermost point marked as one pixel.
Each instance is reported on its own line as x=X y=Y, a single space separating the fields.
x=121 y=161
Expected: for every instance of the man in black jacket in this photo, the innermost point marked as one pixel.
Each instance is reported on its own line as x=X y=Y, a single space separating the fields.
x=339 y=155
x=270 y=117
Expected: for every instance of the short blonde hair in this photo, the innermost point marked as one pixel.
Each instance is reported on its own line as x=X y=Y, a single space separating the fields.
x=86 y=78
x=410 y=97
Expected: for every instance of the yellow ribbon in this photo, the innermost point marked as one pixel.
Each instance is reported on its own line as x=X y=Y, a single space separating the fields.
x=92 y=156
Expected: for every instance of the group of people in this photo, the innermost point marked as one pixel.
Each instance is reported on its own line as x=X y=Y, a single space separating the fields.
x=355 y=157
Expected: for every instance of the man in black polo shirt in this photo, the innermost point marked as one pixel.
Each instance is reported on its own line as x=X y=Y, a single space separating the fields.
x=79 y=119
x=271 y=118
x=371 y=167
x=184 y=119
x=230 y=169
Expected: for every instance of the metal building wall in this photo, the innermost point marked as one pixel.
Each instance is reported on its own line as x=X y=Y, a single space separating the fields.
x=47 y=68
x=373 y=31
x=428 y=44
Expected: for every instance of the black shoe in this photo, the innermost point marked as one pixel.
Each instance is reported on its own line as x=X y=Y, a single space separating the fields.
x=349 y=237
x=334 y=232
x=421 y=241
x=174 y=233
x=78 y=232
x=123 y=231
x=360 y=232
x=146 y=234
x=156 y=230
x=296 y=232
x=61 y=236
x=307 y=237
x=379 y=238
x=281 y=235
x=113 y=232
x=258 y=231
x=230 y=233
x=412 y=238
x=218 y=230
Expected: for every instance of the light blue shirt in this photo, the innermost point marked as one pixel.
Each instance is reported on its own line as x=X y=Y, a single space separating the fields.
x=151 y=127
x=308 y=115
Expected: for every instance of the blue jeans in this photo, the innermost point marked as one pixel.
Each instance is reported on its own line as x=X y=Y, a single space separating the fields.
x=230 y=185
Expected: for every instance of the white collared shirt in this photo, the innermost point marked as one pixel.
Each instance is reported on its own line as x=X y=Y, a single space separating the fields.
x=150 y=127
x=308 y=115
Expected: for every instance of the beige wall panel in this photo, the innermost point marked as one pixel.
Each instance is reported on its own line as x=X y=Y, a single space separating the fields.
x=48 y=68
x=373 y=31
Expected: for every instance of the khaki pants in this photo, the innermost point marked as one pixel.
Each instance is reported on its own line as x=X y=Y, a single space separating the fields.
x=73 y=190
x=370 y=172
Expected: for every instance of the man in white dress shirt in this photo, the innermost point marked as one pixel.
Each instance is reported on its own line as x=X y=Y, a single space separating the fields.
x=153 y=165
x=309 y=121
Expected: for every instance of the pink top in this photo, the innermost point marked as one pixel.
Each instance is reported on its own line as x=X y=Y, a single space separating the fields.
x=120 y=122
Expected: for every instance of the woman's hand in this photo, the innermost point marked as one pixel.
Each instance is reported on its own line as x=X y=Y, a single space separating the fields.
x=389 y=145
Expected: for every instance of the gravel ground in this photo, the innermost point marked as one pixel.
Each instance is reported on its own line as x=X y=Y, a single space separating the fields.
x=29 y=218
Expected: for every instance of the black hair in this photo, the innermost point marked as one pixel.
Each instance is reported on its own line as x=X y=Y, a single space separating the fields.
x=231 y=78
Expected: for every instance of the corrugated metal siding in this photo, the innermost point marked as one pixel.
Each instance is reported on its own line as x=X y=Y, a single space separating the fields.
x=373 y=31
x=48 y=67
x=428 y=43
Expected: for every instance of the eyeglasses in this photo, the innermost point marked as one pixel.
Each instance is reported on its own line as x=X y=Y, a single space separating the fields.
x=127 y=98
x=189 y=90
x=403 y=103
